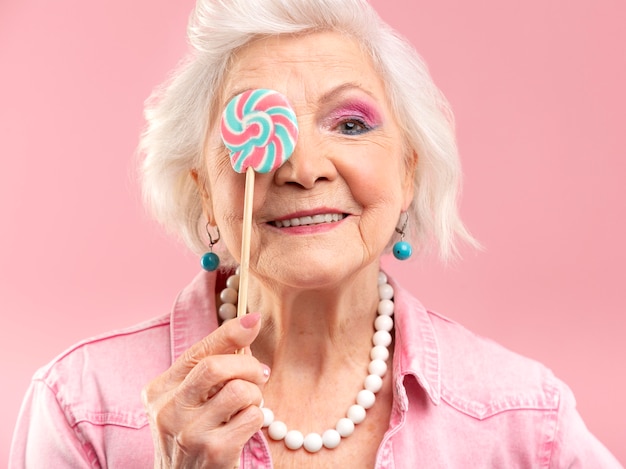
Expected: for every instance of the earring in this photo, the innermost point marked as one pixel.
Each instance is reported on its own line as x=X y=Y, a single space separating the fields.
x=209 y=260
x=402 y=250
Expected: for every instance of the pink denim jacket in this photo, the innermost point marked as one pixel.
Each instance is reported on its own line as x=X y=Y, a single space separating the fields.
x=460 y=401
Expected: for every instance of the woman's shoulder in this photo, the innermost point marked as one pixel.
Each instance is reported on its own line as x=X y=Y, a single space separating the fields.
x=85 y=405
x=473 y=374
x=519 y=401
x=482 y=377
x=108 y=371
x=107 y=346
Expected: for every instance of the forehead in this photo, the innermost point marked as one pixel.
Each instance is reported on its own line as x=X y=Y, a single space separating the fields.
x=303 y=66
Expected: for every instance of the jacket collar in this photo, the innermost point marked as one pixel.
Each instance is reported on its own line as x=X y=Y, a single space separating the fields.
x=416 y=350
x=193 y=314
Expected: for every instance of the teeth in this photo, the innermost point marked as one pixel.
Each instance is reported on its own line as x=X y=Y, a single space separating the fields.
x=314 y=220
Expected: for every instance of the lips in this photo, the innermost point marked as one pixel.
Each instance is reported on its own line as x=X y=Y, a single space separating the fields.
x=317 y=219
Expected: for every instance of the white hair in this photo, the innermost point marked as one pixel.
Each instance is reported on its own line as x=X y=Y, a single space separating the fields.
x=178 y=113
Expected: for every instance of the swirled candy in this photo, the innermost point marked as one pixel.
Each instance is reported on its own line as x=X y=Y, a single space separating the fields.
x=260 y=130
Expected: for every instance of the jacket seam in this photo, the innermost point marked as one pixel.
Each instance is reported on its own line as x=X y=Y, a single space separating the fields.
x=164 y=320
x=89 y=454
x=495 y=407
x=551 y=441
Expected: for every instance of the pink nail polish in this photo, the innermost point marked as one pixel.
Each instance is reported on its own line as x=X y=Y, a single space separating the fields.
x=266 y=372
x=250 y=320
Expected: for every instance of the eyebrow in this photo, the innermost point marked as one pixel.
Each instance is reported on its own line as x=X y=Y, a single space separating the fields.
x=338 y=90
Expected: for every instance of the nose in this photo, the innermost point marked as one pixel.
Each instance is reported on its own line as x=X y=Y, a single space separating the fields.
x=310 y=163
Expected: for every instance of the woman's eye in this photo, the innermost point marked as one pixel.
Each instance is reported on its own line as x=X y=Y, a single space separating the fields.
x=353 y=127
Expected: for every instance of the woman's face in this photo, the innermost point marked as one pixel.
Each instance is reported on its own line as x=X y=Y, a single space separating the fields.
x=343 y=188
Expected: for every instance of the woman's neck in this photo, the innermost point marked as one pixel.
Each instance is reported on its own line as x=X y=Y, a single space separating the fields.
x=312 y=331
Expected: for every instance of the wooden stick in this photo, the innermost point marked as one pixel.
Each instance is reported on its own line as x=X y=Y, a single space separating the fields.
x=242 y=301
x=248 y=200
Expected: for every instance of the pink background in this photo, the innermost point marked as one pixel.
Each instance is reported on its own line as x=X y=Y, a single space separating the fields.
x=538 y=92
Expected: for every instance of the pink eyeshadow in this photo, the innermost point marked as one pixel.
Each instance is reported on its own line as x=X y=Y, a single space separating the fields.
x=358 y=108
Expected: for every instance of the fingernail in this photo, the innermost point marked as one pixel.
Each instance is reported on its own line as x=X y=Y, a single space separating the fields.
x=266 y=372
x=250 y=320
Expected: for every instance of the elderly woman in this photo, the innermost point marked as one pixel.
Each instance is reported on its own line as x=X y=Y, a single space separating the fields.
x=355 y=371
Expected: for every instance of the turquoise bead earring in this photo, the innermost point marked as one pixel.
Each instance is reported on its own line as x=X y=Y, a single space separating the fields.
x=209 y=260
x=402 y=250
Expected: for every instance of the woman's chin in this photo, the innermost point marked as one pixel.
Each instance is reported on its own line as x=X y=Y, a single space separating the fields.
x=313 y=267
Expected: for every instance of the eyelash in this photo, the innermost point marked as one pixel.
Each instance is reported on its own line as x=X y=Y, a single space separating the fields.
x=365 y=127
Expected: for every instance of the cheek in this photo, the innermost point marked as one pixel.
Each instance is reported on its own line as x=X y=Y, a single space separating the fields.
x=227 y=194
x=226 y=191
x=375 y=177
x=228 y=213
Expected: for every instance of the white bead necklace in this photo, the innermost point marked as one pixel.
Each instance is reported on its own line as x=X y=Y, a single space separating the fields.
x=365 y=398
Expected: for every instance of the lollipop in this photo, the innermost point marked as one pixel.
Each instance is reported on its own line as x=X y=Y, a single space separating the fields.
x=260 y=130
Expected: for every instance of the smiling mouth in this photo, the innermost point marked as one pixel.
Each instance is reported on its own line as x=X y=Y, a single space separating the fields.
x=309 y=220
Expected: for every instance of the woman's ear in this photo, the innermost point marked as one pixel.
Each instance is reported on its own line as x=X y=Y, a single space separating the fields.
x=207 y=206
x=408 y=182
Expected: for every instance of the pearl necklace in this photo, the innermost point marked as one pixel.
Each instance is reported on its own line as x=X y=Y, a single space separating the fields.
x=365 y=398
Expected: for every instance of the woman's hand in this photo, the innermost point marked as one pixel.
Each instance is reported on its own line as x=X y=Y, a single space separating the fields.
x=205 y=407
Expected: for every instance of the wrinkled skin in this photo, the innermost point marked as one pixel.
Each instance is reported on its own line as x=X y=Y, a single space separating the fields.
x=205 y=407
